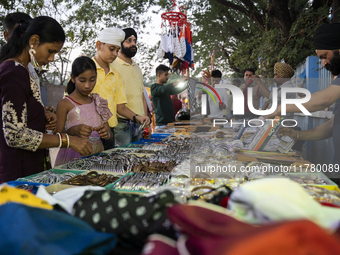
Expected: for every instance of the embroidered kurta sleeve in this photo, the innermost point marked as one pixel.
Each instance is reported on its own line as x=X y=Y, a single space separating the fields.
x=15 y=89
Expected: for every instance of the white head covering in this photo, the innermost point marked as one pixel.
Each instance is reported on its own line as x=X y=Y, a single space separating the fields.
x=111 y=35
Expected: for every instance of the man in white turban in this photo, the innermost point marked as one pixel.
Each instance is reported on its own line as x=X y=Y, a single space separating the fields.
x=109 y=85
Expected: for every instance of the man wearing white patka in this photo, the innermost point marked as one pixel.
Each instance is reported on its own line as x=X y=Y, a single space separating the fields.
x=109 y=85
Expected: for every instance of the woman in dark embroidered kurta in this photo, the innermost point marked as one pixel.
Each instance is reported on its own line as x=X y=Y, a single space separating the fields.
x=22 y=138
x=23 y=123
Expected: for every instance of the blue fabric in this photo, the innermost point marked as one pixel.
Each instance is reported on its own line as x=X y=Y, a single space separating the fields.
x=28 y=230
x=171 y=58
x=187 y=56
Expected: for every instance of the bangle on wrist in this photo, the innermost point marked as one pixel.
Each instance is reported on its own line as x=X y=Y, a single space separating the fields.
x=109 y=135
x=68 y=140
x=297 y=134
x=63 y=141
x=134 y=118
x=59 y=140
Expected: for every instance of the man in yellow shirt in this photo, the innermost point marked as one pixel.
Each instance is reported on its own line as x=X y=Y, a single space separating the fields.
x=109 y=85
x=131 y=76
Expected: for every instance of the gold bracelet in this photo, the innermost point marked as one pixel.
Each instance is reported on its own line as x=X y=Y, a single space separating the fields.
x=63 y=141
x=68 y=140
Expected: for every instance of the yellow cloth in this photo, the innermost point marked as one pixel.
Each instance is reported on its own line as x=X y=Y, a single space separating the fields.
x=111 y=88
x=132 y=79
x=14 y=195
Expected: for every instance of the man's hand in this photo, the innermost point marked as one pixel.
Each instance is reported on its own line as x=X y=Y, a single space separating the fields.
x=256 y=79
x=221 y=107
x=184 y=78
x=288 y=132
x=141 y=119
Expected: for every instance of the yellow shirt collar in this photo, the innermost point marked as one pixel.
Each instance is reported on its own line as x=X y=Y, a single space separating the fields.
x=122 y=62
x=100 y=68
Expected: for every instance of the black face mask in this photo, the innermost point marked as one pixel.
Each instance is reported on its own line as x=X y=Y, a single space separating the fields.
x=334 y=66
x=129 y=52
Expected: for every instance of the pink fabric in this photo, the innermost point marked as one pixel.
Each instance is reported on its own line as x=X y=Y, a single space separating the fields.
x=94 y=114
x=102 y=107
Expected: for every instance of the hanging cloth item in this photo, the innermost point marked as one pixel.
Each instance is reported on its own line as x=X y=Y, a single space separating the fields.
x=160 y=52
x=177 y=45
x=182 y=41
x=170 y=41
x=164 y=41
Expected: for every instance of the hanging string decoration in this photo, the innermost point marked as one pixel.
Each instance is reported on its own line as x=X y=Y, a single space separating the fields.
x=176 y=40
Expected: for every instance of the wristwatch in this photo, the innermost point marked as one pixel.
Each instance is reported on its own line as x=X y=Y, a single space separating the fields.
x=134 y=118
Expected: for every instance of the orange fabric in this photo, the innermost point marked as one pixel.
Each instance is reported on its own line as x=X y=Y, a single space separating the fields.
x=211 y=232
x=297 y=237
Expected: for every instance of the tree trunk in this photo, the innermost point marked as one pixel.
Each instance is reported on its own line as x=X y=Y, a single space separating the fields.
x=279 y=12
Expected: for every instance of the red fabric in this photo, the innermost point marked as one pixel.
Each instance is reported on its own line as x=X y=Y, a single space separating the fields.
x=224 y=202
x=176 y=103
x=211 y=232
x=159 y=244
x=329 y=204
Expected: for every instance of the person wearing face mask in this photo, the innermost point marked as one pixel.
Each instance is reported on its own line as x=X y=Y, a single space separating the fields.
x=22 y=128
x=131 y=77
x=109 y=83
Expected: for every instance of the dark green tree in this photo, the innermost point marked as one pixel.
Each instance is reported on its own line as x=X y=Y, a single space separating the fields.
x=243 y=33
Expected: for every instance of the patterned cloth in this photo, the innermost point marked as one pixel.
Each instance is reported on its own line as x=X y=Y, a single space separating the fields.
x=22 y=123
x=14 y=195
x=94 y=114
x=132 y=79
x=284 y=70
x=111 y=88
x=131 y=217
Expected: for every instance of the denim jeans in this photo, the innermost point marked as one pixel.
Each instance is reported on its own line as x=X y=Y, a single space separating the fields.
x=127 y=131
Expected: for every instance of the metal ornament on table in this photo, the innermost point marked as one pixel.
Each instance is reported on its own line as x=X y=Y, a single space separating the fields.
x=191 y=92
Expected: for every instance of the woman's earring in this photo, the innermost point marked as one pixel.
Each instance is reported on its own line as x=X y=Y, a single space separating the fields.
x=33 y=60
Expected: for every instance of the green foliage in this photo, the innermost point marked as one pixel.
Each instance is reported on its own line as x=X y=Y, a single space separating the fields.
x=243 y=33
